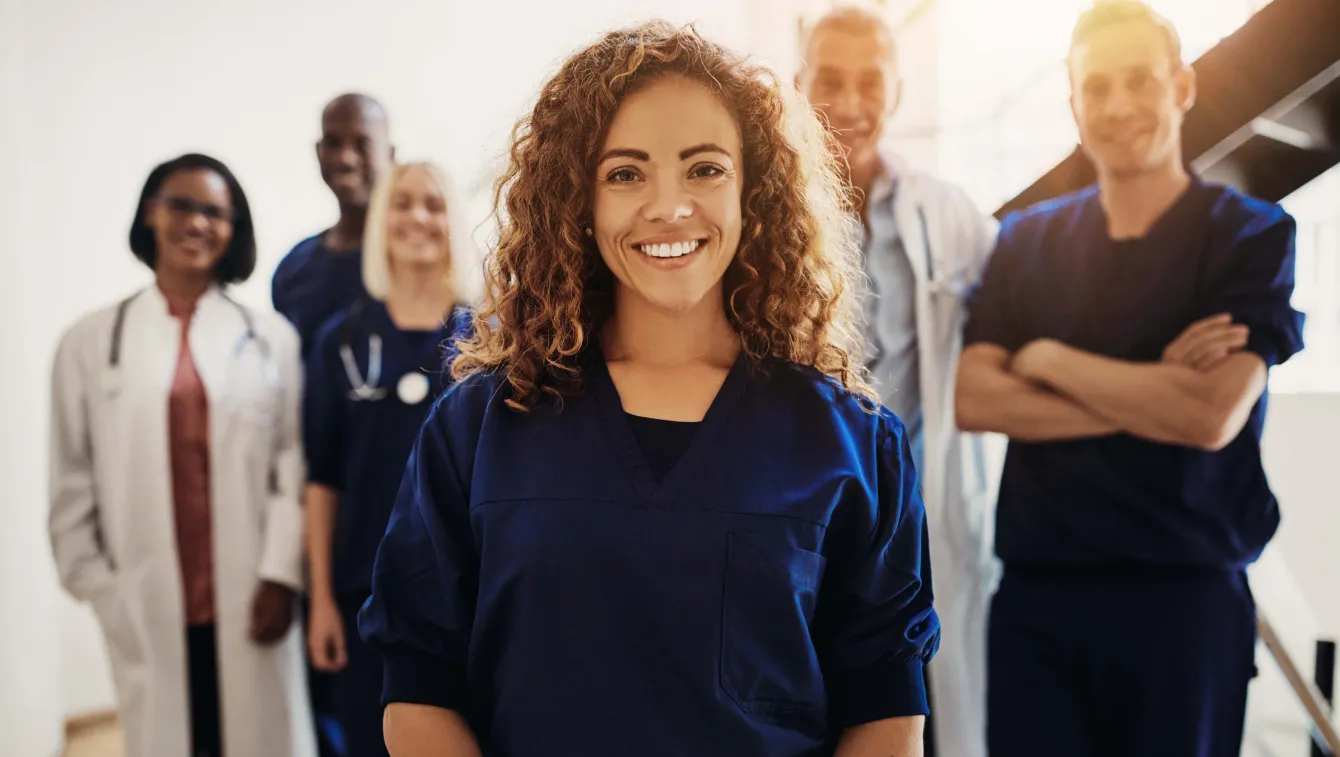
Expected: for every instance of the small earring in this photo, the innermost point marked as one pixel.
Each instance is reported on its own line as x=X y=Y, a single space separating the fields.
x=589 y=231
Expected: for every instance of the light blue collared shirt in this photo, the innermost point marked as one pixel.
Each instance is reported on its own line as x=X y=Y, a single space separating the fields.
x=891 y=318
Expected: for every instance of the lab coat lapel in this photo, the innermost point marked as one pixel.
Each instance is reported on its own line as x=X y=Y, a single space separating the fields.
x=211 y=328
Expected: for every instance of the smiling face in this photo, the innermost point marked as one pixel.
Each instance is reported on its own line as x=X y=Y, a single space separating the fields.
x=191 y=217
x=667 y=195
x=852 y=78
x=1129 y=96
x=417 y=227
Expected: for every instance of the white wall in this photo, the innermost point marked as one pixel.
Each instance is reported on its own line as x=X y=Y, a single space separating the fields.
x=30 y=707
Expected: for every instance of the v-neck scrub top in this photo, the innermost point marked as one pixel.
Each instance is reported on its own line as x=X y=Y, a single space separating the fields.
x=1120 y=499
x=358 y=447
x=773 y=589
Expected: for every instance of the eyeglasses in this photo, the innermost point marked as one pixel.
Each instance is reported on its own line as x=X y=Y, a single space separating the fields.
x=185 y=207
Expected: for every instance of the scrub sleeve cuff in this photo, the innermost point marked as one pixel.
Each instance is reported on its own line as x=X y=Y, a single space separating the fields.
x=415 y=678
x=893 y=689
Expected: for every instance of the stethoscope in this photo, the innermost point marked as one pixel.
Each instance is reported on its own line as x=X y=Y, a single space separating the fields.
x=112 y=381
x=955 y=288
x=412 y=388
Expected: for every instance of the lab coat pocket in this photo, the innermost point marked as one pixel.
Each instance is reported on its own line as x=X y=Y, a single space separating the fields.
x=251 y=405
x=768 y=662
x=116 y=616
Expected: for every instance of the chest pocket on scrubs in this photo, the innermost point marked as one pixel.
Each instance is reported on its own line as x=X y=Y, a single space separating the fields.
x=768 y=662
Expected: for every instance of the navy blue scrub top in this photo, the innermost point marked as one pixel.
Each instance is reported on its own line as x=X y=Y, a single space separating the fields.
x=312 y=283
x=773 y=589
x=1120 y=499
x=359 y=447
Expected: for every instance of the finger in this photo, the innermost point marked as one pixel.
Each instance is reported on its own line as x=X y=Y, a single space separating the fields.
x=1209 y=322
x=1218 y=344
x=1178 y=347
x=1209 y=361
x=1189 y=349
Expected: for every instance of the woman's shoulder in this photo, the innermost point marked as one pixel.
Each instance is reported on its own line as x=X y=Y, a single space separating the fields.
x=812 y=394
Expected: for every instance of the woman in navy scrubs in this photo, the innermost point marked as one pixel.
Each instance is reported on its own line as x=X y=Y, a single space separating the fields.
x=376 y=368
x=660 y=514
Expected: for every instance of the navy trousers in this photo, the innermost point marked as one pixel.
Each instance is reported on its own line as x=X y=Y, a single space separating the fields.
x=358 y=689
x=1118 y=662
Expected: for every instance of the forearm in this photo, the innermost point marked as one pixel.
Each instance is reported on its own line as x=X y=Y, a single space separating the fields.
x=894 y=737
x=1161 y=402
x=417 y=730
x=320 y=511
x=989 y=398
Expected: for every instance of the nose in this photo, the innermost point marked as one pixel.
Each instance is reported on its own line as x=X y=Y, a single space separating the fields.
x=845 y=105
x=198 y=221
x=1119 y=105
x=348 y=156
x=668 y=202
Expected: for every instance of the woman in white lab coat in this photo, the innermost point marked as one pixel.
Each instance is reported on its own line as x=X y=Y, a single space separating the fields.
x=176 y=467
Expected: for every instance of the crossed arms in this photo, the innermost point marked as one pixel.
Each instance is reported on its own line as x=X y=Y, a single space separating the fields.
x=1199 y=394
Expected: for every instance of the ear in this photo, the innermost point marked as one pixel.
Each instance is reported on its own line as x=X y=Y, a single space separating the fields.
x=895 y=95
x=1185 y=83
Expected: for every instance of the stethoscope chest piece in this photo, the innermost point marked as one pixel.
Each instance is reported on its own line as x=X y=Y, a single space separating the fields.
x=412 y=388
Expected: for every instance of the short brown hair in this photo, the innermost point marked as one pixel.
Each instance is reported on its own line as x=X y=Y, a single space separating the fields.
x=851 y=19
x=1105 y=13
x=787 y=292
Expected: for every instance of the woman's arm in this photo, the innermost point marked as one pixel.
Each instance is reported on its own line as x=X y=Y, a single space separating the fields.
x=893 y=737
x=417 y=730
x=73 y=518
x=282 y=542
x=878 y=628
x=424 y=584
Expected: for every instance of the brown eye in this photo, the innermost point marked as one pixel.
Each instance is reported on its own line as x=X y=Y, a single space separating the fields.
x=706 y=171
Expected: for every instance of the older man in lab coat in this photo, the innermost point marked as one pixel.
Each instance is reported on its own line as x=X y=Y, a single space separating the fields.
x=925 y=243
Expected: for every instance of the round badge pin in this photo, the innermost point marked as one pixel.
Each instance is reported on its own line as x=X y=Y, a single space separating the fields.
x=412 y=388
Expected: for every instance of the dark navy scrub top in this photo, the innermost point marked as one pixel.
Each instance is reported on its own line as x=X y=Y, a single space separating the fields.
x=773 y=589
x=357 y=446
x=1121 y=499
x=312 y=283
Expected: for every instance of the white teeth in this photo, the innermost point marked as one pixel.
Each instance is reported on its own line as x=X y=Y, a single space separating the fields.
x=675 y=250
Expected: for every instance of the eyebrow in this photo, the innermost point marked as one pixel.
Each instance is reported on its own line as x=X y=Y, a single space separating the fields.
x=684 y=154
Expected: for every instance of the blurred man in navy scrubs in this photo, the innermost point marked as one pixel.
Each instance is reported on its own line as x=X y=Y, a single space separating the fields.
x=324 y=272
x=1121 y=338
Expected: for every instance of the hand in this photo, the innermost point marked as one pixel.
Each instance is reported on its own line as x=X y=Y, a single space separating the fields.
x=1206 y=343
x=1030 y=361
x=325 y=637
x=271 y=612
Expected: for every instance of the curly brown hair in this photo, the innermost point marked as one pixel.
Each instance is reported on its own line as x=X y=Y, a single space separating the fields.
x=548 y=290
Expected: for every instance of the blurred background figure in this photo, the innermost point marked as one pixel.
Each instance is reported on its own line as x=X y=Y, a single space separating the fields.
x=375 y=370
x=176 y=470
x=1121 y=338
x=923 y=243
x=324 y=272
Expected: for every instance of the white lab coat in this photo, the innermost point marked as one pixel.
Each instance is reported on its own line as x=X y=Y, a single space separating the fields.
x=958 y=485
x=112 y=526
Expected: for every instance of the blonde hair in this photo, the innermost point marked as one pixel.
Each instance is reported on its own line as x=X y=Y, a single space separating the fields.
x=462 y=257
